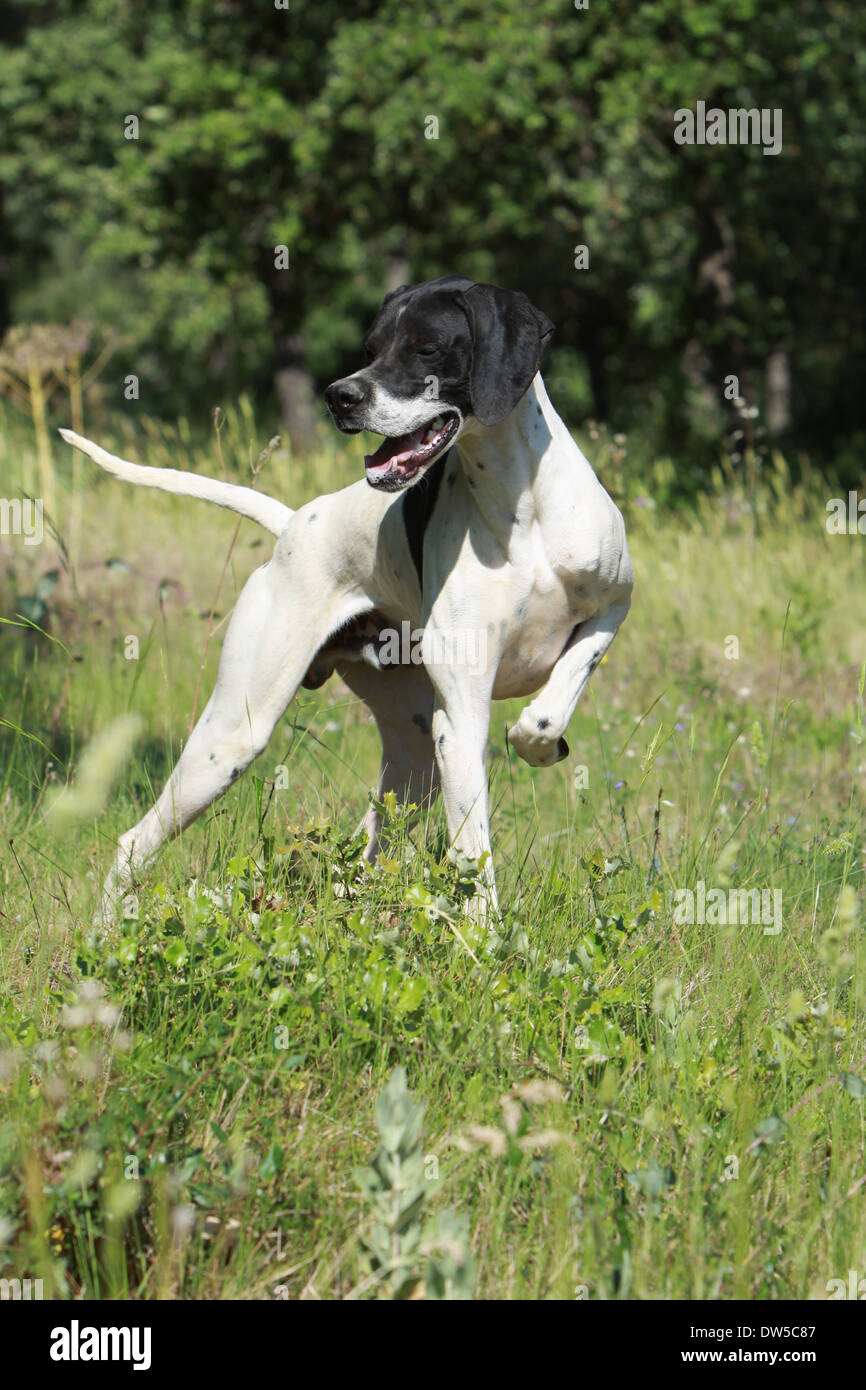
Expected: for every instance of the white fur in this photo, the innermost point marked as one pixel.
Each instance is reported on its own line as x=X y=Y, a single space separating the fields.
x=524 y=544
x=255 y=505
x=391 y=415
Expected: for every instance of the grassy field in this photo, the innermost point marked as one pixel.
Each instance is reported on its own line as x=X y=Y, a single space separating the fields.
x=617 y=1103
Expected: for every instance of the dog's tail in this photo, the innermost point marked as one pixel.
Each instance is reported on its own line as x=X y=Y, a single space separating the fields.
x=255 y=505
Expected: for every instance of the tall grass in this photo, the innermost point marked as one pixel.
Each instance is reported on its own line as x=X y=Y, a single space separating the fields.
x=618 y=1104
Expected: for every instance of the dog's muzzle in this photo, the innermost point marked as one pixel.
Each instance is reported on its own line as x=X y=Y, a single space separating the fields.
x=400 y=459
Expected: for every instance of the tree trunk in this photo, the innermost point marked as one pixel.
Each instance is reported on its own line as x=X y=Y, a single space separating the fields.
x=296 y=391
x=6 y=274
x=778 y=392
x=396 y=273
x=293 y=383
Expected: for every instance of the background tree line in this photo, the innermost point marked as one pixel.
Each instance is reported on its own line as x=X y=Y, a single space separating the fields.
x=308 y=127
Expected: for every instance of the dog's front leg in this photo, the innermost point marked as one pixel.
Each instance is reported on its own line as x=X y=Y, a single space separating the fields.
x=539 y=734
x=461 y=720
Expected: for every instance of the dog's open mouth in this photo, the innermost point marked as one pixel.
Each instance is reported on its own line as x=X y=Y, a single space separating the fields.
x=398 y=462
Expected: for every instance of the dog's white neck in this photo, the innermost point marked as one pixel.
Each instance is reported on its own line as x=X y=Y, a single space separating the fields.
x=504 y=463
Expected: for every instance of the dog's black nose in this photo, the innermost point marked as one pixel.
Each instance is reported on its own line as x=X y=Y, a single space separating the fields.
x=344 y=395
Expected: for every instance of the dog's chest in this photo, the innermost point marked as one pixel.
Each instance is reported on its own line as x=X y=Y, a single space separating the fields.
x=529 y=588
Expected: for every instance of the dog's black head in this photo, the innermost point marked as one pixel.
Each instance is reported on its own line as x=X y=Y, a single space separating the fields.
x=440 y=354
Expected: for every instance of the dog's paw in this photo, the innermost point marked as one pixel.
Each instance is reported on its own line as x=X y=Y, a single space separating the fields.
x=533 y=741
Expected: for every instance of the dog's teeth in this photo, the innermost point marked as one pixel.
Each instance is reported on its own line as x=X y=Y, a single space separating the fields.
x=433 y=429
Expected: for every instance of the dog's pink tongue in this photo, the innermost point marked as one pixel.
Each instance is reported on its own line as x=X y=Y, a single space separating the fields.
x=393 y=452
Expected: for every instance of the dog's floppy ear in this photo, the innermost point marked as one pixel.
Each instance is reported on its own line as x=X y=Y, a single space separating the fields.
x=509 y=336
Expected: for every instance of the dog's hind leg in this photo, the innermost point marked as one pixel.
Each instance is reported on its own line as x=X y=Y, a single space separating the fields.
x=281 y=619
x=401 y=700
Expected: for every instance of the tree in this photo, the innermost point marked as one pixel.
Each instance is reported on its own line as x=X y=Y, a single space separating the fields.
x=496 y=143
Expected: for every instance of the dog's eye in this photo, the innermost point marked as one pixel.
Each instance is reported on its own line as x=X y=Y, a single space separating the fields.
x=427 y=350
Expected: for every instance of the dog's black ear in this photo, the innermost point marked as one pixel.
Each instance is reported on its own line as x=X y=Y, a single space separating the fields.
x=509 y=336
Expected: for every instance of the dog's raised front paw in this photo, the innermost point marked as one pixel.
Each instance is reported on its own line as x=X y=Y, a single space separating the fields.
x=533 y=741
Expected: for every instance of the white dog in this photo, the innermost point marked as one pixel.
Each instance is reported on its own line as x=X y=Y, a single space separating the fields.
x=480 y=522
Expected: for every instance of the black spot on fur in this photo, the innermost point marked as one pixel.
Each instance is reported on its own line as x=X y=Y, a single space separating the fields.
x=543 y=723
x=312 y=516
x=421 y=722
x=441 y=740
x=418 y=504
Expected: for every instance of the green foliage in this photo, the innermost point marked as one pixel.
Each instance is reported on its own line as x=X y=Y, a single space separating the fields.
x=617 y=1102
x=398 y=1241
x=308 y=128
x=33 y=608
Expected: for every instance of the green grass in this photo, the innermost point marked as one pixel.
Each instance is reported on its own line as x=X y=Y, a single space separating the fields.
x=615 y=1103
